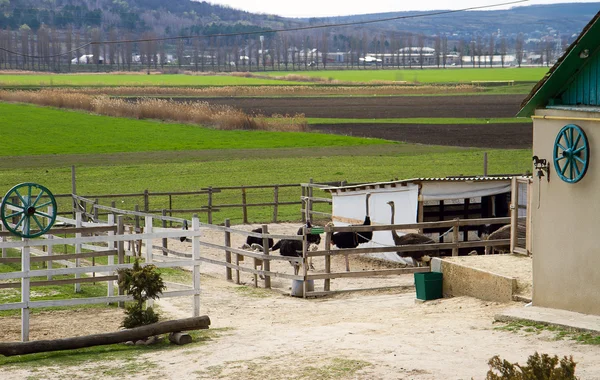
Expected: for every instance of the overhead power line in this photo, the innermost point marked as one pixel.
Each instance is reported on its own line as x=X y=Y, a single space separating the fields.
x=265 y=31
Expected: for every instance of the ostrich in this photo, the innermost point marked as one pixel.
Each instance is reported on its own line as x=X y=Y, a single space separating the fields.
x=293 y=248
x=256 y=240
x=504 y=233
x=412 y=239
x=353 y=239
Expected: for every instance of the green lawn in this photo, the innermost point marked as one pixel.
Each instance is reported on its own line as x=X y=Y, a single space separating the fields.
x=450 y=75
x=418 y=120
x=37 y=130
x=131 y=80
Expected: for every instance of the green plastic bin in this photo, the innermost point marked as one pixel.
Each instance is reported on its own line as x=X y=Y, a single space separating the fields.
x=428 y=285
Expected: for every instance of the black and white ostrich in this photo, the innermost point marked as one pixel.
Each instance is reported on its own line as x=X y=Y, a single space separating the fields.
x=353 y=239
x=250 y=240
x=293 y=248
x=412 y=239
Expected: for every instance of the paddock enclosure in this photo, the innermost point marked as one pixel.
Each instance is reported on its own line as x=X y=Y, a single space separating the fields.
x=101 y=239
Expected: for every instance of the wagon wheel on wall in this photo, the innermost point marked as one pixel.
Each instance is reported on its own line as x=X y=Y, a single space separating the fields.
x=23 y=204
x=571 y=153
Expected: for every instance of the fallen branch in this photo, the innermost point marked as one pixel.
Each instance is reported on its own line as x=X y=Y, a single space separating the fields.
x=23 y=348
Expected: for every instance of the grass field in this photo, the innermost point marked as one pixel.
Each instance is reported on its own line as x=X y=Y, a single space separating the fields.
x=450 y=75
x=132 y=80
x=37 y=130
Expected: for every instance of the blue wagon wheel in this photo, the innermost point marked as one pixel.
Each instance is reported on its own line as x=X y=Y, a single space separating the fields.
x=571 y=153
x=27 y=205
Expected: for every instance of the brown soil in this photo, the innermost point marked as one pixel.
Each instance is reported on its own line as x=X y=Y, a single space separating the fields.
x=502 y=136
x=483 y=106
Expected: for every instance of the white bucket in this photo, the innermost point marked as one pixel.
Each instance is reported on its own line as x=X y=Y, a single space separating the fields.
x=298 y=287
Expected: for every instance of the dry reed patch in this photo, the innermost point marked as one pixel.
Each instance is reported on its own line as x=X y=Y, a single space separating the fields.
x=219 y=116
x=264 y=91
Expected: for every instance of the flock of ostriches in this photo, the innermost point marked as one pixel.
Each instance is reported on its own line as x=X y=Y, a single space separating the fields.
x=344 y=240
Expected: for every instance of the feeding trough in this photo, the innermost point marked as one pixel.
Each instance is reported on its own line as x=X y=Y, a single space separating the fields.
x=28 y=210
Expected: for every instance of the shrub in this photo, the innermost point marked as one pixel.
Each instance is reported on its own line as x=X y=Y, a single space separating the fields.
x=538 y=367
x=143 y=283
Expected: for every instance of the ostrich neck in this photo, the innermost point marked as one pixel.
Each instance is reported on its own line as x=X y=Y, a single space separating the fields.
x=394 y=233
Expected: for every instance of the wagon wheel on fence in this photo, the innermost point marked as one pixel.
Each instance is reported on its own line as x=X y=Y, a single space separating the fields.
x=23 y=204
x=571 y=153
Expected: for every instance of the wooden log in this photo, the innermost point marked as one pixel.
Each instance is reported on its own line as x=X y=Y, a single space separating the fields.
x=23 y=348
x=180 y=338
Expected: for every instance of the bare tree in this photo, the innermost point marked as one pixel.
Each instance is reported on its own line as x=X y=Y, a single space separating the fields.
x=96 y=46
x=409 y=45
x=549 y=50
x=112 y=48
x=479 y=51
x=462 y=50
x=129 y=51
x=179 y=51
x=502 y=50
x=491 y=48
x=69 y=45
x=444 y=50
x=196 y=43
x=325 y=49
x=438 y=48
x=421 y=42
x=519 y=49
x=77 y=45
x=286 y=52
x=473 y=51
x=25 y=30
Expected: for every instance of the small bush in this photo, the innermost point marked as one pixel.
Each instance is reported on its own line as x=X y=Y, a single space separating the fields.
x=143 y=283
x=539 y=367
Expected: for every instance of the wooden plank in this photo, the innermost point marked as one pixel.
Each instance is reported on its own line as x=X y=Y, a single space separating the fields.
x=252 y=271
x=514 y=213
x=228 y=274
x=368 y=273
x=65 y=281
x=412 y=248
x=413 y=226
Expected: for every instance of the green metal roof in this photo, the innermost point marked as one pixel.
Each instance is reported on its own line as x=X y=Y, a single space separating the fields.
x=574 y=79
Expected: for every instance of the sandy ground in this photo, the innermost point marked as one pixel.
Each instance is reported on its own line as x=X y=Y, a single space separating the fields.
x=270 y=335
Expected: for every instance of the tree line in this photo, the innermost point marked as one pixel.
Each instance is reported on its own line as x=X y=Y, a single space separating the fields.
x=95 y=49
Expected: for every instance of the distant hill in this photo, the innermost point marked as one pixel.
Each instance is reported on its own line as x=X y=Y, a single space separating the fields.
x=564 y=19
x=173 y=17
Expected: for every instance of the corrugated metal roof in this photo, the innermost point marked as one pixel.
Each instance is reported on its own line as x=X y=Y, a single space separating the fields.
x=404 y=182
x=569 y=70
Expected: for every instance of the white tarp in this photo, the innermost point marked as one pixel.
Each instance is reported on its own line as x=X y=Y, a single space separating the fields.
x=444 y=190
x=353 y=205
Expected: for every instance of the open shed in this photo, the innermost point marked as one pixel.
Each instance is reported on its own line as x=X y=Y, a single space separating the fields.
x=565 y=107
x=422 y=200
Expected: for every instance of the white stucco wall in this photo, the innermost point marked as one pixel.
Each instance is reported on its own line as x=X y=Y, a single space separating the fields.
x=565 y=222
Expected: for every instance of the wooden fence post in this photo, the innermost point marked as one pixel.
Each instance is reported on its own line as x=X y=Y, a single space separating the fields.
x=196 y=257
x=170 y=208
x=78 y=224
x=210 y=203
x=95 y=210
x=228 y=253
x=50 y=253
x=146 y=201
x=25 y=288
x=111 y=258
x=455 y=235
x=148 y=251
x=327 y=284
x=304 y=260
x=3 y=239
x=303 y=206
x=309 y=203
x=121 y=253
x=266 y=262
x=165 y=242
x=244 y=206
x=73 y=189
x=514 y=214
x=275 y=203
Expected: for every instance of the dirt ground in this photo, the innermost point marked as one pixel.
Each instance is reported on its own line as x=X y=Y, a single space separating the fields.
x=270 y=335
x=498 y=136
x=480 y=106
